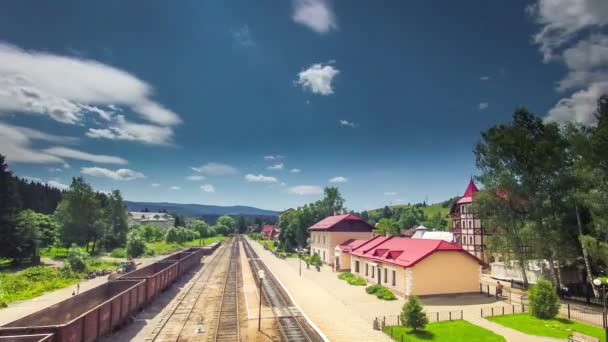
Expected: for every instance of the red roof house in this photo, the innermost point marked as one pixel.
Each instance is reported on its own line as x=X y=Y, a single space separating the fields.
x=270 y=232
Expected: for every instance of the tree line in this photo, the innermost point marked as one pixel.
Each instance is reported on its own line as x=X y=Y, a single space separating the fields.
x=545 y=192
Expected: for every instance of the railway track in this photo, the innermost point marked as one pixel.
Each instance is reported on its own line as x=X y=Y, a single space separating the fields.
x=227 y=327
x=292 y=326
x=180 y=313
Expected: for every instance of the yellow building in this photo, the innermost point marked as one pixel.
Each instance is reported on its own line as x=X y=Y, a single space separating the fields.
x=416 y=266
x=326 y=234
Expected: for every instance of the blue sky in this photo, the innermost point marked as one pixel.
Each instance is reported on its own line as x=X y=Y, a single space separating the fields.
x=263 y=103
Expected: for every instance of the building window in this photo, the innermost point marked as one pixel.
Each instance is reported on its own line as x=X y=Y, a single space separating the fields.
x=373 y=272
x=366 y=270
x=357 y=266
x=394 y=276
x=323 y=239
x=385 y=276
x=323 y=256
x=470 y=240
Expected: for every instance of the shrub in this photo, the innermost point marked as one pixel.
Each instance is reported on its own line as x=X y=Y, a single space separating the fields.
x=77 y=259
x=136 y=245
x=118 y=253
x=352 y=279
x=39 y=273
x=412 y=315
x=315 y=260
x=544 y=302
x=171 y=235
x=381 y=292
x=373 y=289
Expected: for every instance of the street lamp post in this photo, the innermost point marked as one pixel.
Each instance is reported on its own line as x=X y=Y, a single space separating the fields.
x=599 y=282
x=261 y=276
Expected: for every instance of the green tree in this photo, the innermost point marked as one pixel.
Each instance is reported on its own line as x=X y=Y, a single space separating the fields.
x=80 y=215
x=387 y=225
x=412 y=314
x=9 y=204
x=228 y=222
x=544 y=302
x=27 y=237
x=136 y=244
x=315 y=260
x=172 y=235
x=201 y=227
x=116 y=217
x=77 y=259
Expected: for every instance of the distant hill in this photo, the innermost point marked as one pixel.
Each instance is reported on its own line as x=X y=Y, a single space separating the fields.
x=197 y=210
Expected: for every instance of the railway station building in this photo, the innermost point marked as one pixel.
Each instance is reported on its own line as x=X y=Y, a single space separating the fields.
x=420 y=267
x=332 y=231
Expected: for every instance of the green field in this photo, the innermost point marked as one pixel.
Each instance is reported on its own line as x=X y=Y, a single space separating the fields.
x=450 y=331
x=162 y=247
x=557 y=328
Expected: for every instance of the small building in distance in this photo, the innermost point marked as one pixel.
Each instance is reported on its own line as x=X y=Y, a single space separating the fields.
x=332 y=231
x=159 y=220
x=270 y=232
x=423 y=232
x=420 y=267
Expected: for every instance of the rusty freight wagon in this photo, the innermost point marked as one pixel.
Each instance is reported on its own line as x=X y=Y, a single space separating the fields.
x=27 y=338
x=84 y=317
x=184 y=260
x=158 y=277
x=198 y=251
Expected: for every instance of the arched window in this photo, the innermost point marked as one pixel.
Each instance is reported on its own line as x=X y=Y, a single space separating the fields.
x=470 y=240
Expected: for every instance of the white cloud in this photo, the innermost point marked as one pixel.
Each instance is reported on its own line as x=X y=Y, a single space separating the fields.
x=242 y=36
x=390 y=193
x=273 y=157
x=295 y=170
x=208 y=188
x=305 y=190
x=174 y=187
x=318 y=78
x=120 y=174
x=155 y=185
x=587 y=53
x=283 y=184
x=121 y=129
x=580 y=106
x=276 y=167
x=483 y=105
x=216 y=169
x=338 y=179
x=561 y=20
x=315 y=14
x=17 y=144
x=64 y=88
x=58 y=185
x=260 y=178
x=65 y=152
x=195 y=178
x=55 y=169
x=346 y=123
x=485 y=78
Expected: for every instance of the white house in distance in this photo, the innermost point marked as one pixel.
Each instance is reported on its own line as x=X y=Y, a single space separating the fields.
x=159 y=220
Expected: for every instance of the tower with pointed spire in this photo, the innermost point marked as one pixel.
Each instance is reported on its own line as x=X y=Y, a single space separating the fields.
x=466 y=225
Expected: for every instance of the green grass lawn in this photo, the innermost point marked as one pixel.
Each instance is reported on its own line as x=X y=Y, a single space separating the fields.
x=162 y=247
x=450 y=331
x=558 y=327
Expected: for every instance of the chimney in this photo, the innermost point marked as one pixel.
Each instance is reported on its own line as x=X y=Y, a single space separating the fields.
x=387 y=234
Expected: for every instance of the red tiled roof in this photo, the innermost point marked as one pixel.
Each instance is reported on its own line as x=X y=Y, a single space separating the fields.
x=267 y=229
x=331 y=221
x=468 y=194
x=404 y=251
x=351 y=244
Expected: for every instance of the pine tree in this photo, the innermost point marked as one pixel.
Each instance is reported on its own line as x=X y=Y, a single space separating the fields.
x=544 y=302
x=9 y=204
x=412 y=314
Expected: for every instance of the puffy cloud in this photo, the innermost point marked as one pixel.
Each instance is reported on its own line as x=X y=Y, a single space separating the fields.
x=587 y=53
x=273 y=157
x=314 y=14
x=57 y=184
x=260 y=178
x=276 y=167
x=295 y=170
x=75 y=154
x=483 y=105
x=216 y=169
x=346 y=123
x=174 y=187
x=338 y=179
x=208 y=188
x=121 y=129
x=120 y=174
x=242 y=36
x=390 y=193
x=318 y=78
x=305 y=190
x=580 y=106
x=65 y=88
x=195 y=178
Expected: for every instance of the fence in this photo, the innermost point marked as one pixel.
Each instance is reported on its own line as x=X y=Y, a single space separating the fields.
x=490 y=291
x=575 y=312
x=395 y=320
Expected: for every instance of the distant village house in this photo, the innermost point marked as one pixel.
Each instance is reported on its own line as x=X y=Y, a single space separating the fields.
x=159 y=220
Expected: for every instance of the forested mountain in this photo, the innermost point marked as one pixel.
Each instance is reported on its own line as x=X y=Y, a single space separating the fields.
x=199 y=210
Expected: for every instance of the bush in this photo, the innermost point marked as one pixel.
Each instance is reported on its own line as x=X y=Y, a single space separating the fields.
x=412 y=315
x=352 y=279
x=136 y=245
x=118 y=253
x=381 y=292
x=315 y=260
x=544 y=302
x=77 y=259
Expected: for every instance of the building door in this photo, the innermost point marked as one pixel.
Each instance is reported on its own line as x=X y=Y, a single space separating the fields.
x=379 y=275
x=337 y=263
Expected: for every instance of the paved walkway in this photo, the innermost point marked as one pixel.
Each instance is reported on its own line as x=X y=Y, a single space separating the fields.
x=324 y=298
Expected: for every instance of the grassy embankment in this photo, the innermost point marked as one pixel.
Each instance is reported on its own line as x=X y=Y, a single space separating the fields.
x=557 y=327
x=449 y=331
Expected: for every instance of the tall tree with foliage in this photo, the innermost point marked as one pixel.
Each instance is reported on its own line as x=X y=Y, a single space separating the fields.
x=412 y=314
x=80 y=215
x=387 y=226
x=9 y=205
x=116 y=218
